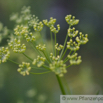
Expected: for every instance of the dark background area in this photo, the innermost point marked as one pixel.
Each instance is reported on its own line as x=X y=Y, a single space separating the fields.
x=87 y=78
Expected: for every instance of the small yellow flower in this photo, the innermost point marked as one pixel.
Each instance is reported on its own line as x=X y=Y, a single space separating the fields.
x=24 y=68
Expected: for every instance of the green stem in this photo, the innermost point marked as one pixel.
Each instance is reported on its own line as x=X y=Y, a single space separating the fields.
x=36 y=49
x=38 y=68
x=66 y=60
x=55 y=43
x=58 y=52
x=40 y=73
x=46 y=57
x=64 y=46
x=68 y=66
x=46 y=67
x=67 y=86
x=52 y=41
x=13 y=62
x=27 y=56
x=64 y=53
x=61 y=85
x=44 y=43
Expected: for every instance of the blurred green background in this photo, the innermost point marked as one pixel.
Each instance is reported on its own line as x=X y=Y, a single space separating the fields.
x=87 y=78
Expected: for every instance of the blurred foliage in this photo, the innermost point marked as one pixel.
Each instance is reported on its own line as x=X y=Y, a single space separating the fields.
x=17 y=89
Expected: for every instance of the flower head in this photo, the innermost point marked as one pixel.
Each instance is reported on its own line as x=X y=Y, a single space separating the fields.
x=72 y=32
x=74 y=60
x=4 y=54
x=71 y=20
x=24 y=68
x=50 y=24
x=58 y=47
x=39 y=61
x=57 y=66
x=16 y=45
x=73 y=46
x=41 y=47
x=82 y=39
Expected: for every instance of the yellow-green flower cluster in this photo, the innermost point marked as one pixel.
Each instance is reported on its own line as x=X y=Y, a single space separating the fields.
x=3 y=31
x=38 y=26
x=41 y=47
x=33 y=20
x=72 y=32
x=50 y=24
x=57 y=66
x=23 y=17
x=71 y=20
x=24 y=68
x=39 y=61
x=53 y=57
x=4 y=54
x=16 y=45
x=58 y=47
x=73 y=46
x=30 y=37
x=74 y=60
x=23 y=31
x=54 y=30
x=82 y=39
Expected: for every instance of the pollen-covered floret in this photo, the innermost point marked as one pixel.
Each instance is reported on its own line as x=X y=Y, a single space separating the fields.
x=38 y=26
x=53 y=29
x=4 y=54
x=41 y=47
x=58 y=67
x=53 y=57
x=24 y=68
x=16 y=46
x=73 y=46
x=74 y=60
x=58 y=47
x=39 y=61
x=50 y=24
x=72 y=32
x=82 y=39
x=21 y=30
x=30 y=37
x=71 y=20
x=33 y=20
x=24 y=32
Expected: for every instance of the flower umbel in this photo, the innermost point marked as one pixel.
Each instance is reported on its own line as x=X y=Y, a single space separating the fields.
x=16 y=46
x=39 y=61
x=57 y=66
x=29 y=28
x=24 y=68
